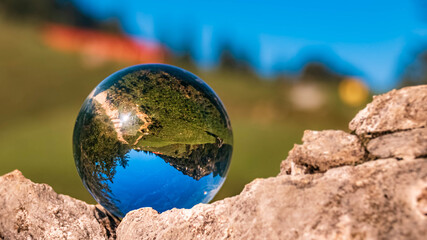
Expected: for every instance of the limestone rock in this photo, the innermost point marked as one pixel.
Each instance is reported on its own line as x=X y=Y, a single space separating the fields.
x=422 y=201
x=374 y=200
x=34 y=211
x=322 y=150
x=333 y=186
x=407 y=144
x=336 y=185
x=393 y=111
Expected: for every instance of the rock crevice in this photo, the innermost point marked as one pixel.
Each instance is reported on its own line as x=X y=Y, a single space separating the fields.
x=392 y=126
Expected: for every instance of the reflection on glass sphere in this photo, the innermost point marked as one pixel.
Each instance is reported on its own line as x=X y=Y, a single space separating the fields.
x=152 y=135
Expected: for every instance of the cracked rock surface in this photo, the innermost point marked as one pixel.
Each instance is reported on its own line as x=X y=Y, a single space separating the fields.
x=322 y=150
x=375 y=200
x=393 y=111
x=34 y=211
x=336 y=185
x=368 y=184
x=406 y=144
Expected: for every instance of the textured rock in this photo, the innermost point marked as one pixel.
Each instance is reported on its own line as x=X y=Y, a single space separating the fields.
x=393 y=111
x=322 y=150
x=422 y=201
x=335 y=185
x=375 y=200
x=407 y=144
x=330 y=187
x=34 y=211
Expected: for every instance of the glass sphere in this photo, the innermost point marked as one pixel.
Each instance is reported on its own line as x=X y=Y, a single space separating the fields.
x=155 y=136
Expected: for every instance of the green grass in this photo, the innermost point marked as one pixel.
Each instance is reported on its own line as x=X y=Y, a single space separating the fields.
x=42 y=90
x=181 y=119
x=41 y=148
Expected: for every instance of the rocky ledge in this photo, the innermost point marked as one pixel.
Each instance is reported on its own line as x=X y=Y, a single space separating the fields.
x=367 y=184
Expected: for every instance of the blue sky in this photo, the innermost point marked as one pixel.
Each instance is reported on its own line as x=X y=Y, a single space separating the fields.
x=374 y=40
x=148 y=180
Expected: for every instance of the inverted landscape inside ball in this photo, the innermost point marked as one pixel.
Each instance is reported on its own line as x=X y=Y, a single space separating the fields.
x=152 y=136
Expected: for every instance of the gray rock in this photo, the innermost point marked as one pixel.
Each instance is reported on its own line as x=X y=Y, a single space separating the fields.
x=374 y=200
x=393 y=111
x=407 y=144
x=322 y=150
x=34 y=211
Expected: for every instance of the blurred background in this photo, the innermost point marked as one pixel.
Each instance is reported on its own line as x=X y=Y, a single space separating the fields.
x=280 y=67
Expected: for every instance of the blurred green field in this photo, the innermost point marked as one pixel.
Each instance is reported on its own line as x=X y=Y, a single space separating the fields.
x=41 y=92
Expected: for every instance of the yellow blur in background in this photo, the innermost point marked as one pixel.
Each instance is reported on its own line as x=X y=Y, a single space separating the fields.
x=353 y=91
x=45 y=79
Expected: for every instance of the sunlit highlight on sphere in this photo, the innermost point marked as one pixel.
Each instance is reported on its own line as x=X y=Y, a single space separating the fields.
x=155 y=136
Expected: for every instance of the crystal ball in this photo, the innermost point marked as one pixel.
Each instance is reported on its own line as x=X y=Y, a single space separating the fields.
x=152 y=135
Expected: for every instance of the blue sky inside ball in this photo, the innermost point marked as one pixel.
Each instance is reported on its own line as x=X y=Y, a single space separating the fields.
x=149 y=181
